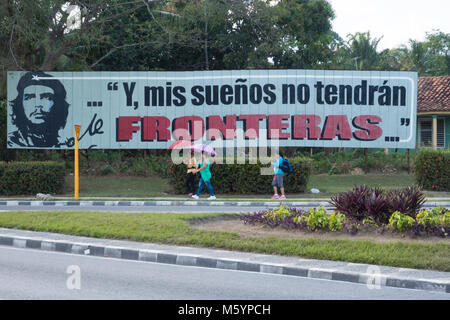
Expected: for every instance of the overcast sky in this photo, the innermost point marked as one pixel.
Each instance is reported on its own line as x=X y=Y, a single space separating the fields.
x=396 y=20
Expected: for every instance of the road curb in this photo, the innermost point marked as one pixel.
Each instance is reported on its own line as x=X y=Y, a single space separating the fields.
x=158 y=256
x=191 y=203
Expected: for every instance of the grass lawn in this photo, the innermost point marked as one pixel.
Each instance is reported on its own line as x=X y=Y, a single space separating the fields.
x=175 y=229
x=120 y=186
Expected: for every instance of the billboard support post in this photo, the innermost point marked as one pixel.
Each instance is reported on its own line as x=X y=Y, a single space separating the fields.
x=76 y=173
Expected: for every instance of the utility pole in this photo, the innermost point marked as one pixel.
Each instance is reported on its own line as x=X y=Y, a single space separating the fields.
x=206 y=37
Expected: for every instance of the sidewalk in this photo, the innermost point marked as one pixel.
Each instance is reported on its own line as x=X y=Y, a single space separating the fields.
x=183 y=201
x=370 y=275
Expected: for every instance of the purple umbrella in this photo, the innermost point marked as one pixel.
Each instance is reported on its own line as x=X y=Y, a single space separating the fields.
x=203 y=148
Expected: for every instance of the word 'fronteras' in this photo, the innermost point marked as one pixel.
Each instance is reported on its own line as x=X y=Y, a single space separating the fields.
x=278 y=126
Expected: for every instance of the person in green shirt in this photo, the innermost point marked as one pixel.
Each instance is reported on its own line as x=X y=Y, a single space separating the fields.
x=205 y=177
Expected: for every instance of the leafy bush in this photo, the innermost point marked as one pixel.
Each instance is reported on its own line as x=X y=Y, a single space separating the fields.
x=432 y=170
x=408 y=200
x=434 y=217
x=336 y=221
x=317 y=218
x=245 y=178
x=283 y=216
x=363 y=202
x=400 y=222
x=343 y=162
x=24 y=178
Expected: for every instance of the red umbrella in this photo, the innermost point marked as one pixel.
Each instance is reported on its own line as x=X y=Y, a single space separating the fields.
x=180 y=144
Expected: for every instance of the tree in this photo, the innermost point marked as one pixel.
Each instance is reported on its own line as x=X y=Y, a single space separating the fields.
x=232 y=34
x=46 y=34
x=363 y=51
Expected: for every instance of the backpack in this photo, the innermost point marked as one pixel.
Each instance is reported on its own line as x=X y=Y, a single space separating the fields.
x=286 y=166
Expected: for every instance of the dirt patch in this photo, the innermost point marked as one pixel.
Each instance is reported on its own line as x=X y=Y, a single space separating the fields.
x=233 y=224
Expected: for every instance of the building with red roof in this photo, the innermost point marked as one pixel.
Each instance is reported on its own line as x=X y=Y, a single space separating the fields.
x=433 y=112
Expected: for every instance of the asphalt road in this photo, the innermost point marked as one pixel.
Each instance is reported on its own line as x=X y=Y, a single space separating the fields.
x=34 y=274
x=174 y=209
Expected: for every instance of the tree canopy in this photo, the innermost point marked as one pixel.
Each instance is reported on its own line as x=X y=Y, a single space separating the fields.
x=140 y=35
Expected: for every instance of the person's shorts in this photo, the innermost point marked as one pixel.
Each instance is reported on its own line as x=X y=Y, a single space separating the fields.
x=278 y=181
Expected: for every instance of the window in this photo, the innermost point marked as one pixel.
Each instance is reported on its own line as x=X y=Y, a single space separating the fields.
x=426 y=132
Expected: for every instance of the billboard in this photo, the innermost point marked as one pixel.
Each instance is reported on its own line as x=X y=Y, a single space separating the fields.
x=152 y=110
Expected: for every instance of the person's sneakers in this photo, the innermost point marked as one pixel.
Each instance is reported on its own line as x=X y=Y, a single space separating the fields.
x=195 y=197
x=282 y=198
x=212 y=198
x=275 y=196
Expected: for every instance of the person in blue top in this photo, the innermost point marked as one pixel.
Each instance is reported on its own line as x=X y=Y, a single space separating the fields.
x=277 y=181
x=205 y=177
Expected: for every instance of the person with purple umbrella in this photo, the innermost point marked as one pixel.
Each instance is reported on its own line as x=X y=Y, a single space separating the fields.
x=205 y=177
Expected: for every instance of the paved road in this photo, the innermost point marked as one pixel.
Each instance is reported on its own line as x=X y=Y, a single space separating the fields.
x=175 y=209
x=34 y=274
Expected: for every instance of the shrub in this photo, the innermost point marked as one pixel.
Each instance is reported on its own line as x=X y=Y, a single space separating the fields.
x=317 y=219
x=244 y=178
x=24 y=178
x=363 y=202
x=336 y=221
x=408 y=200
x=400 y=222
x=434 y=217
x=444 y=219
x=283 y=216
x=432 y=170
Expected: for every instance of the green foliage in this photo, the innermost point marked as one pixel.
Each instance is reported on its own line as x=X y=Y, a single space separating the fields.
x=336 y=221
x=434 y=217
x=400 y=222
x=432 y=170
x=317 y=218
x=277 y=215
x=25 y=178
x=245 y=178
x=343 y=162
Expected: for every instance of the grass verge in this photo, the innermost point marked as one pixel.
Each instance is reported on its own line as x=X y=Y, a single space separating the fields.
x=175 y=229
x=141 y=187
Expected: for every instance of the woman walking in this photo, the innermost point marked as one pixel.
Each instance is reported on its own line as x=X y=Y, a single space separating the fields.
x=278 y=177
x=191 y=168
x=205 y=178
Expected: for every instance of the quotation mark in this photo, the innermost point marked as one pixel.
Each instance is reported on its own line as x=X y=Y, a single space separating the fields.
x=404 y=121
x=112 y=86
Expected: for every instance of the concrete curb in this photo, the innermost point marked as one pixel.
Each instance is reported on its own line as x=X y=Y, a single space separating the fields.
x=214 y=203
x=159 y=256
x=164 y=203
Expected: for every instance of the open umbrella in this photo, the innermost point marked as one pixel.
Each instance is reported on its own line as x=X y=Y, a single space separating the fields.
x=203 y=148
x=181 y=144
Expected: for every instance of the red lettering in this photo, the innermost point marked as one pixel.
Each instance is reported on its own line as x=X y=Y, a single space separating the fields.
x=302 y=123
x=218 y=128
x=337 y=125
x=368 y=124
x=126 y=128
x=276 y=126
x=155 y=128
x=251 y=124
x=189 y=128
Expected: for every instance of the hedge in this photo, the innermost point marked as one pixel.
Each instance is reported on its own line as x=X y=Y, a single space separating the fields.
x=432 y=170
x=245 y=178
x=25 y=178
